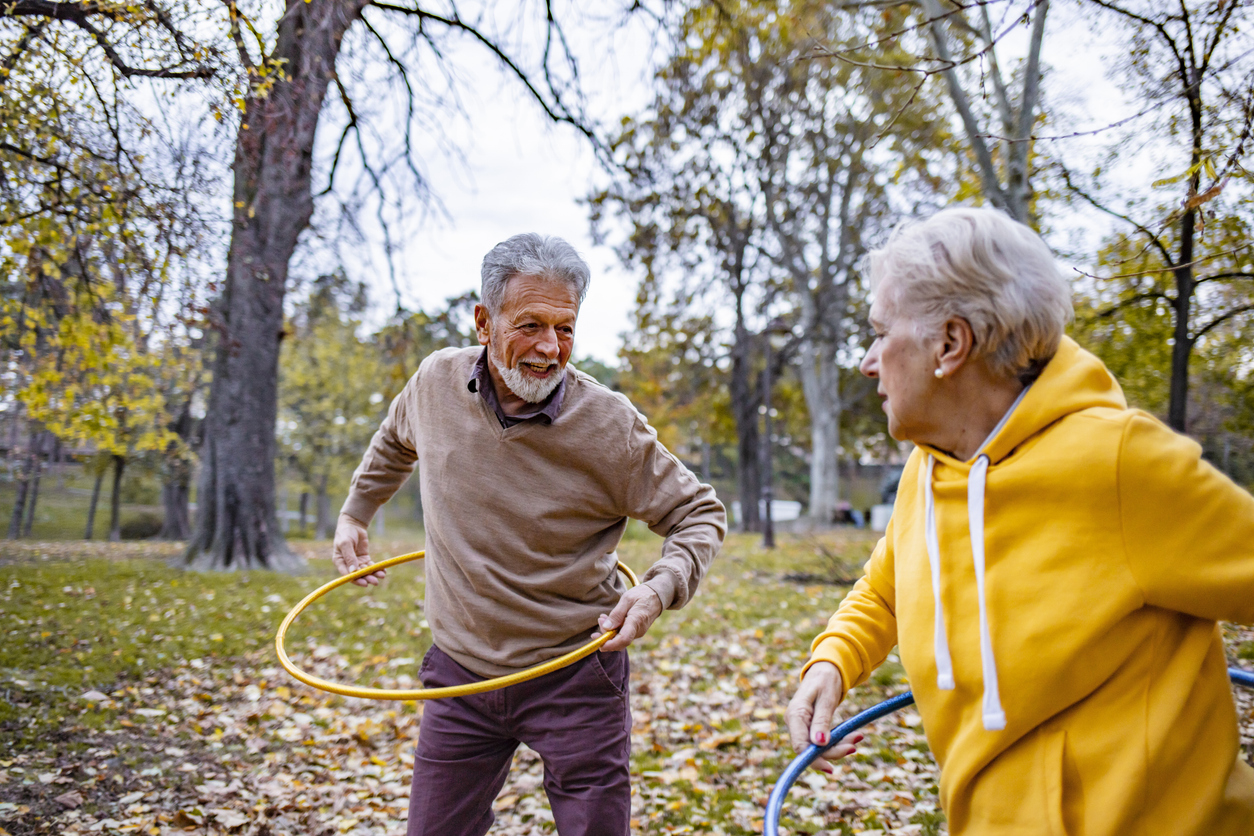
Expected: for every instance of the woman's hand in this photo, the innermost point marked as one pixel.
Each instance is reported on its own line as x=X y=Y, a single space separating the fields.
x=810 y=714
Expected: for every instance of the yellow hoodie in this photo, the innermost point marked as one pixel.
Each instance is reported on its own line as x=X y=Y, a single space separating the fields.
x=1086 y=689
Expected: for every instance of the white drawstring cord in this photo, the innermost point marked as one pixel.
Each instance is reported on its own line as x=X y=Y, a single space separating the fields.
x=944 y=665
x=994 y=715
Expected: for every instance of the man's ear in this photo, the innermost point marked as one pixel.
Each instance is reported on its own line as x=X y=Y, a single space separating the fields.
x=483 y=324
x=957 y=343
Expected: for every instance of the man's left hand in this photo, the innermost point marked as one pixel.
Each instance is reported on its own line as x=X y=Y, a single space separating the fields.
x=632 y=617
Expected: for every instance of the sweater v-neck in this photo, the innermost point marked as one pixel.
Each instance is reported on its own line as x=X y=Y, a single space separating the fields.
x=503 y=433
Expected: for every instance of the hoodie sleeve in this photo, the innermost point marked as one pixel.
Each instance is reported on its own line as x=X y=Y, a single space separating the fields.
x=1188 y=530
x=863 y=629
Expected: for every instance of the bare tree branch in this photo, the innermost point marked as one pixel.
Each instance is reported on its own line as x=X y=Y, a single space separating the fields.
x=1220 y=320
x=1152 y=237
x=80 y=15
x=557 y=111
x=1132 y=300
x=238 y=36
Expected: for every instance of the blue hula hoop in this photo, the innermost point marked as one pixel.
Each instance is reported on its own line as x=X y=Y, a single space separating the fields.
x=775 y=803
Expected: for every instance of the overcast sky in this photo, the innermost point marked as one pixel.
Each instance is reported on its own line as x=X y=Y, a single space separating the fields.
x=522 y=173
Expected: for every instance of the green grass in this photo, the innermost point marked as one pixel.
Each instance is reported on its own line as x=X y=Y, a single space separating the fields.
x=72 y=623
x=79 y=617
x=79 y=624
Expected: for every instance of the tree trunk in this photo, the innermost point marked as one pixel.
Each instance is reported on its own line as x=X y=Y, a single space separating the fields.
x=236 y=525
x=304 y=511
x=115 y=501
x=19 y=505
x=32 y=497
x=744 y=403
x=1182 y=347
x=95 y=498
x=323 y=523
x=820 y=381
x=176 y=487
x=23 y=489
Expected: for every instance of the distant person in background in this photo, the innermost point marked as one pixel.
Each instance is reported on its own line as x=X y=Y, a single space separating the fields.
x=530 y=471
x=1055 y=564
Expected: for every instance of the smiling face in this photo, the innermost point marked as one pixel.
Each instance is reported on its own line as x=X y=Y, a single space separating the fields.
x=530 y=339
x=904 y=363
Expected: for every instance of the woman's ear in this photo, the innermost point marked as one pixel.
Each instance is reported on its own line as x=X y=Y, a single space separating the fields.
x=957 y=343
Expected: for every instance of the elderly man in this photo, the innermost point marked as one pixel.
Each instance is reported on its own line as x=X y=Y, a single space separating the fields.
x=529 y=471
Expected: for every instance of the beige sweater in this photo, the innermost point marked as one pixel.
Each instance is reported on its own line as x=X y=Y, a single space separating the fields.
x=522 y=523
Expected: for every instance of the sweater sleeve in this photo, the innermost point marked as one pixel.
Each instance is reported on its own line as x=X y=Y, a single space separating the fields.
x=666 y=496
x=1188 y=530
x=387 y=462
x=863 y=629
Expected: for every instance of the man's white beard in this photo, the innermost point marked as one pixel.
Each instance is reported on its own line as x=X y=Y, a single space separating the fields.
x=530 y=389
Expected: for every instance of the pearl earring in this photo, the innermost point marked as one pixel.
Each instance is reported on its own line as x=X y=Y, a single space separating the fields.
x=939 y=373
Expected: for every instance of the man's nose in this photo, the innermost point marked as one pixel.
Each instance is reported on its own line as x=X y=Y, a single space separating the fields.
x=547 y=344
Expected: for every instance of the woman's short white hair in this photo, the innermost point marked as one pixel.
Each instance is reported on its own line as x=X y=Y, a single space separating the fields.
x=530 y=254
x=979 y=265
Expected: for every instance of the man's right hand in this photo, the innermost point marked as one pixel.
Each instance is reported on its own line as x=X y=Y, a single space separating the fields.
x=351 y=550
x=811 y=711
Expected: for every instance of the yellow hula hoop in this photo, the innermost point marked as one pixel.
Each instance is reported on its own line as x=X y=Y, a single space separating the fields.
x=424 y=693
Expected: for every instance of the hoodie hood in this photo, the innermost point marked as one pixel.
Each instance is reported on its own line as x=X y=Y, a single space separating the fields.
x=1073 y=381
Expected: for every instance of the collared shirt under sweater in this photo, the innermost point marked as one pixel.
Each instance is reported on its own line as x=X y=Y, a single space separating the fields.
x=522 y=522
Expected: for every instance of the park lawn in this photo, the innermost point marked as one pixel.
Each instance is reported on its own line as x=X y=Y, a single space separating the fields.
x=140 y=698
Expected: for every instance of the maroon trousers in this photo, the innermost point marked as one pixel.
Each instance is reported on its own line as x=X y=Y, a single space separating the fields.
x=577 y=719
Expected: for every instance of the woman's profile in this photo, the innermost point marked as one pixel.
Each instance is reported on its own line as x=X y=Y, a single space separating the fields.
x=1055 y=566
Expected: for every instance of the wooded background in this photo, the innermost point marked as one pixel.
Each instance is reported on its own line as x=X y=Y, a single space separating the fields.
x=182 y=185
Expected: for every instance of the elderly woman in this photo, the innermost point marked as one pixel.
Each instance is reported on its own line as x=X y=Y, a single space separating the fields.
x=1055 y=565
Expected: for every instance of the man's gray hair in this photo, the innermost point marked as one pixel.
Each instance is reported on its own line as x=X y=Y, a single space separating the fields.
x=979 y=265
x=530 y=254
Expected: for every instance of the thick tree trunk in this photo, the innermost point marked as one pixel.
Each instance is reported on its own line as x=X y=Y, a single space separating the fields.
x=115 y=501
x=95 y=498
x=236 y=525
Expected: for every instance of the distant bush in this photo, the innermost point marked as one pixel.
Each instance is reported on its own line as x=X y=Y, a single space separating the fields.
x=141 y=526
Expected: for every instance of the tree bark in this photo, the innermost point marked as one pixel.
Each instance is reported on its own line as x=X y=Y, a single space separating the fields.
x=820 y=382
x=95 y=498
x=115 y=501
x=323 y=505
x=744 y=403
x=32 y=498
x=23 y=489
x=37 y=466
x=176 y=523
x=19 y=505
x=236 y=524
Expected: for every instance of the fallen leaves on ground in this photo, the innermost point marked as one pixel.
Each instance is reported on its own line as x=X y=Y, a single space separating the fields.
x=232 y=745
